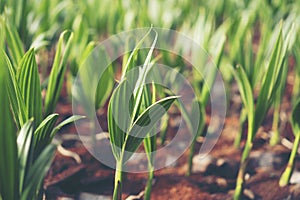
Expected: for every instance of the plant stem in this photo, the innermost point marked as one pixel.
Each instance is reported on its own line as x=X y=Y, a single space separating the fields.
x=117 y=195
x=275 y=138
x=285 y=177
x=149 y=182
x=238 y=139
x=241 y=173
x=191 y=154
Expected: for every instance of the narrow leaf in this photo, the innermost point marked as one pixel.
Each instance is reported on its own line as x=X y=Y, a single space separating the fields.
x=25 y=146
x=271 y=80
x=133 y=54
x=247 y=97
x=15 y=97
x=118 y=118
x=64 y=123
x=14 y=43
x=58 y=71
x=144 y=123
x=8 y=153
x=30 y=86
x=37 y=172
x=42 y=133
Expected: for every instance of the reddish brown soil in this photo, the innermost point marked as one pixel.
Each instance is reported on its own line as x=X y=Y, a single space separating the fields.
x=66 y=178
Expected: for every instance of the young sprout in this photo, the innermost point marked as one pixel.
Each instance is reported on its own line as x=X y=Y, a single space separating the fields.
x=255 y=114
x=22 y=173
x=243 y=54
x=128 y=127
x=58 y=71
x=214 y=43
x=275 y=137
x=150 y=141
x=295 y=121
x=22 y=88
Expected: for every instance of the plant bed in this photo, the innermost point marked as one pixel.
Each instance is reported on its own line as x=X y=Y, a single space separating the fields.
x=147 y=103
x=216 y=180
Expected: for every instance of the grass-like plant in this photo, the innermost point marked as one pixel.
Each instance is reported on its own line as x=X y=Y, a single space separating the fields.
x=275 y=136
x=213 y=40
x=22 y=89
x=242 y=51
x=20 y=176
x=256 y=113
x=28 y=153
x=150 y=140
x=128 y=130
x=295 y=121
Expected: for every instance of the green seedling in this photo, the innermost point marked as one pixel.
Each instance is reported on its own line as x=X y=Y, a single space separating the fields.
x=58 y=70
x=128 y=132
x=28 y=153
x=295 y=121
x=275 y=137
x=23 y=90
x=255 y=114
x=150 y=140
x=242 y=52
x=213 y=40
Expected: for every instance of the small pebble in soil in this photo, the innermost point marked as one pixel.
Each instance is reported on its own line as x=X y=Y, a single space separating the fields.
x=210 y=165
x=295 y=178
x=249 y=194
x=64 y=198
x=201 y=164
x=266 y=161
x=221 y=182
x=88 y=196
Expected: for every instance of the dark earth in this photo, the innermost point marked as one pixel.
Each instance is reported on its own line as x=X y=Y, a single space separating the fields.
x=213 y=177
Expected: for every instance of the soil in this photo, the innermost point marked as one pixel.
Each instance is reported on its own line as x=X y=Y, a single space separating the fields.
x=67 y=178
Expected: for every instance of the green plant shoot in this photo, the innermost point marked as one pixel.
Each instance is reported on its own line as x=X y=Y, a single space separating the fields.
x=255 y=114
x=128 y=130
x=295 y=121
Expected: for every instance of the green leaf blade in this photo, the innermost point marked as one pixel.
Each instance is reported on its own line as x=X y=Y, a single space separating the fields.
x=145 y=122
x=16 y=100
x=14 y=43
x=30 y=86
x=9 y=165
x=118 y=120
x=58 y=71
x=25 y=147
x=42 y=133
x=37 y=172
